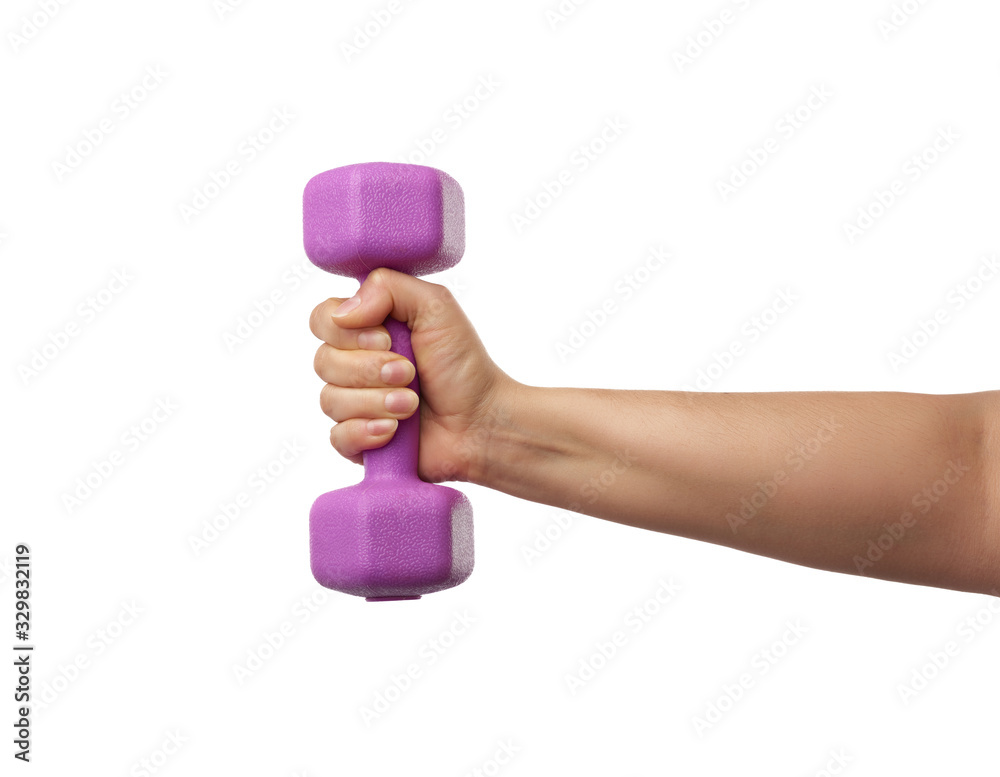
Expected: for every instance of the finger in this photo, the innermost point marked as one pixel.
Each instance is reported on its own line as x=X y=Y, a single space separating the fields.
x=362 y=369
x=388 y=292
x=322 y=324
x=355 y=435
x=342 y=403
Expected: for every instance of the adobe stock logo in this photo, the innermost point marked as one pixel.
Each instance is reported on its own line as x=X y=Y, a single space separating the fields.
x=887 y=198
x=32 y=25
x=796 y=458
x=634 y=621
x=752 y=330
x=624 y=288
x=248 y=150
x=428 y=654
x=453 y=118
x=103 y=468
x=711 y=29
x=938 y=659
x=121 y=108
x=929 y=326
x=86 y=312
x=786 y=127
x=761 y=664
x=368 y=31
x=581 y=159
x=562 y=12
x=900 y=17
x=922 y=501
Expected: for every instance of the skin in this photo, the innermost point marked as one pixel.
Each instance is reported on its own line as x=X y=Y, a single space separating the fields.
x=893 y=485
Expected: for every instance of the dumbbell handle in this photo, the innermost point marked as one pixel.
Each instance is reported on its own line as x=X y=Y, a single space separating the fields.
x=397 y=460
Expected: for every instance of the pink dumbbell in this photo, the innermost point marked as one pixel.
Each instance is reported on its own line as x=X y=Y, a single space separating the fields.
x=391 y=536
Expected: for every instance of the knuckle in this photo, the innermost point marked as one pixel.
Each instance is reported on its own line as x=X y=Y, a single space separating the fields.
x=375 y=403
x=367 y=372
x=439 y=300
x=338 y=442
x=439 y=294
x=314 y=320
x=441 y=291
x=319 y=360
x=379 y=277
x=328 y=399
x=317 y=317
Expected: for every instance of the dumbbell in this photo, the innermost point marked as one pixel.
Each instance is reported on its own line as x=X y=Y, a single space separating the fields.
x=392 y=536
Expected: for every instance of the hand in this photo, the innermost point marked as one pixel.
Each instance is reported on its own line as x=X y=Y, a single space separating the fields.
x=365 y=382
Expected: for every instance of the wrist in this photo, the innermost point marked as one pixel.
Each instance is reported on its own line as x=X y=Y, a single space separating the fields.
x=524 y=444
x=494 y=430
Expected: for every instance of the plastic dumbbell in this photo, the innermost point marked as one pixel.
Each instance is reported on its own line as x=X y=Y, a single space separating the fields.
x=391 y=536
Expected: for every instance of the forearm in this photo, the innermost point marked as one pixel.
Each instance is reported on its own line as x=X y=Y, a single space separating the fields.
x=807 y=477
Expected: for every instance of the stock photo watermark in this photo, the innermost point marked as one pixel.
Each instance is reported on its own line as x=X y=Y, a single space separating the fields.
x=837 y=761
x=931 y=325
x=751 y=331
x=234 y=509
x=465 y=452
x=272 y=640
x=887 y=197
x=796 y=458
x=365 y=33
x=595 y=486
x=33 y=23
x=428 y=654
x=967 y=630
x=590 y=490
x=761 y=664
x=622 y=291
x=248 y=150
x=898 y=17
x=152 y=762
x=544 y=539
x=559 y=13
x=708 y=33
x=6 y=569
x=96 y=644
x=505 y=751
x=922 y=501
x=453 y=119
x=121 y=108
x=634 y=621
x=223 y=8
x=581 y=159
x=23 y=651
x=263 y=308
x=786 y=127
x=85 y=313
x=103 y=468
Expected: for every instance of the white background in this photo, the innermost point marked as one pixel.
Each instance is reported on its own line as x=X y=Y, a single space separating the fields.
x=174 y=669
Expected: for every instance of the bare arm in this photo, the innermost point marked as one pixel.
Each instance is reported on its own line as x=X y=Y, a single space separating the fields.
x=892 y=485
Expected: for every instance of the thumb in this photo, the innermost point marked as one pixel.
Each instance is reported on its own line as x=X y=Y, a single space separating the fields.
x=419 y=304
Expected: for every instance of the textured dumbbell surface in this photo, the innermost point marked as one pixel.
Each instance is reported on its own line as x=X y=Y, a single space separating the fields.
x=381 y=214
x=392 y=536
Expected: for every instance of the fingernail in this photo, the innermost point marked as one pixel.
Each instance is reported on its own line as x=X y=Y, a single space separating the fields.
x=347 y=306
x=379 y=426
x=395 y=372
x=374 y=341
x=400 y=401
